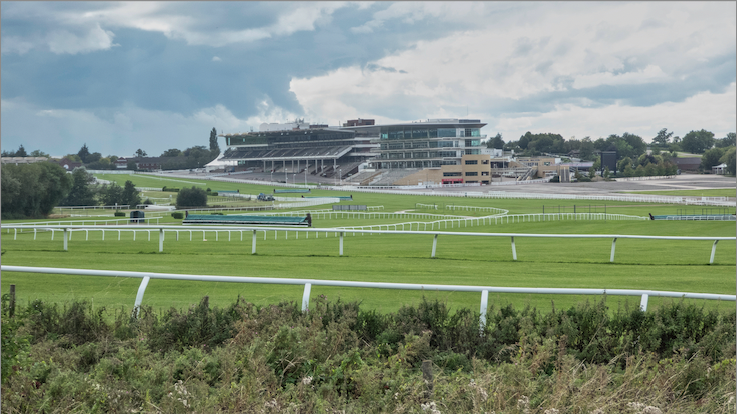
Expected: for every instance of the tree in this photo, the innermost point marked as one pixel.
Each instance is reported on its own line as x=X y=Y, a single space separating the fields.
x=696 y=142
x=214 y=147
x=39 y=153
x=496 y=142
x=729 y=159
x=711 y=158
x=33 y=189
x=82 y=192
x=726 y=142
x=140 y=153
x=172 y=152
x=191 y=197
x=83 y=153
x=130 y=195
x=663 y=137
x=21 y=152
x=131 y=165
x=111 y=195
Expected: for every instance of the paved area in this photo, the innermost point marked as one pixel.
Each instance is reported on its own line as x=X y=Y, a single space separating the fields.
x=679 y=182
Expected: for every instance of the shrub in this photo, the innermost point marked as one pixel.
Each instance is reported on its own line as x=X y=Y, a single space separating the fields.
x=177 y=215
x=191 y=197
x=119 y=214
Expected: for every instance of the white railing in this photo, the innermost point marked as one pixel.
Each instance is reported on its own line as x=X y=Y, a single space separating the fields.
x=650 y=177
x=308 y=283
x=67 y=229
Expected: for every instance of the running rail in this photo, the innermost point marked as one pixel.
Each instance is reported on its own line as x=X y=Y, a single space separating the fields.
x=308 y=283
x=67 y=229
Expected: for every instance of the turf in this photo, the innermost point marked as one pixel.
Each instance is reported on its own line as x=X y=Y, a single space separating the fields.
x=584 y=263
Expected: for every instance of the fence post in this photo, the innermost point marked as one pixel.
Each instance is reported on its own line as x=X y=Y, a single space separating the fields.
x=611 y=256
x=341 y=243
x=482 y=311
x=643 y=302
x=161 y=240
x=66 y=238
x=434 y=245
x=139 y=295
x=713 y=251
x=306 y=297
x=514 y=250
x=12 y=301
x=253 y=243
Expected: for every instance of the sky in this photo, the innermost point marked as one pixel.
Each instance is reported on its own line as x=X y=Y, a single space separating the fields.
x=122 y=76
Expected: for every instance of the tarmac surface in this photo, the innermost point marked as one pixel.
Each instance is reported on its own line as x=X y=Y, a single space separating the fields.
x=678 y=182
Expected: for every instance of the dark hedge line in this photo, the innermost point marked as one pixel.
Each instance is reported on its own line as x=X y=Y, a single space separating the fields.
x=247 y=358
x=592 y=333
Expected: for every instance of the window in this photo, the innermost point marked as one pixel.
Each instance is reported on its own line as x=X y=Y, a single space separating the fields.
x=471 y=173
x=446 y=132
x=485 y=173
x=472 y=162
x=451 y=174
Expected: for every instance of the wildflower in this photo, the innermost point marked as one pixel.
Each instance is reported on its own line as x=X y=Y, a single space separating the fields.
x=307 y=380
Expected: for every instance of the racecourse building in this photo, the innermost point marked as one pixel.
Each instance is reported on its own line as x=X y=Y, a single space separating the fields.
x=298 y=146
x=423 y=144
x=327 y=151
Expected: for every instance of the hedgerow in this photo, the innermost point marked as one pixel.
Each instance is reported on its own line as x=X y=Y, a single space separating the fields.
x=337 y=356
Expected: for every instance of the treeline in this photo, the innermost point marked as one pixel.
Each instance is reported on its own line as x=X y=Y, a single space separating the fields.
x=275 y=358
x=171 y=159
x=33 y=190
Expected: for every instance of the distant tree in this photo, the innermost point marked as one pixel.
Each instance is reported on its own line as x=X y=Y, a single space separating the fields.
x=623 y=163
x=496 y=142
x=214 y=147
x=101 y=164
x=191 y=197
x=606 y=173
x=198 y=156
x=21 y=152
x=597 y=164
x=93 y=157
x=696 y=142
x=82 y=192
x=130 y=195
x=711 y=158
x=140 y=153
x=173 y=152
x=586 y=149
x=33 y=190
x=73 y=158
x=131 y=165
x=663 y=137
x=592 y=173
x=726 y=142
x=83 y=153
x=111 y=195
x=112 y=158
x=729 y=159
x=39 y=153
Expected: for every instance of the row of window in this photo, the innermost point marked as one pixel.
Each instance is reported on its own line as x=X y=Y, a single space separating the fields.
x=410 y=132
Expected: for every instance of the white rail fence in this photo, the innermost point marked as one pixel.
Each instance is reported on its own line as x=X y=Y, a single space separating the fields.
x=341 y=232
x=308 y=283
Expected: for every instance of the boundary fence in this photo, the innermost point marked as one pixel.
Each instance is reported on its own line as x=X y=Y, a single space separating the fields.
x=341 y=232
x=308 y=283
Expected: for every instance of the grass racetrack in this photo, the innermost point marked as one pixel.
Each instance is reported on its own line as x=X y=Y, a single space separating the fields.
x=572 y=263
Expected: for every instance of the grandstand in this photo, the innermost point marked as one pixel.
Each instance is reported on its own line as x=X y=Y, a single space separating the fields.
x=294 y=148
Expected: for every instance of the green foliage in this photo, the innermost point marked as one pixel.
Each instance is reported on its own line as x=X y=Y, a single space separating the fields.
x=245 y=358
x=177 y=215
x=32 y=190
x=729 y=159
x=130 y=195
x=729 y=141
x=83 y=153
x=214 y=147
x=119 y=214
x=496 y=142
x=696 y=142
x=170 y=189
x=191 y=197
x=711 y=158
x=663 y=137
x=15 y=345
x=83 y=192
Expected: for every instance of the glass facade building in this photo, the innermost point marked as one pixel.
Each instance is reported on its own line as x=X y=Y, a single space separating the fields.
x=423 y=144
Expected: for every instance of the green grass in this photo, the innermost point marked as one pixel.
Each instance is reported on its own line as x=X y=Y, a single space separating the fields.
x=656 y=265
x=581 y=263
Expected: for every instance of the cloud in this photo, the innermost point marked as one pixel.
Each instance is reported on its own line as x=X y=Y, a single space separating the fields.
x=650 y=74
x=64 y=41
x=216 y=59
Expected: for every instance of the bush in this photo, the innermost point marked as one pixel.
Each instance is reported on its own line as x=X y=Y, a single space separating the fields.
x=192 y=197
x=177 y=215
x=119 y=214
x=170 y=189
